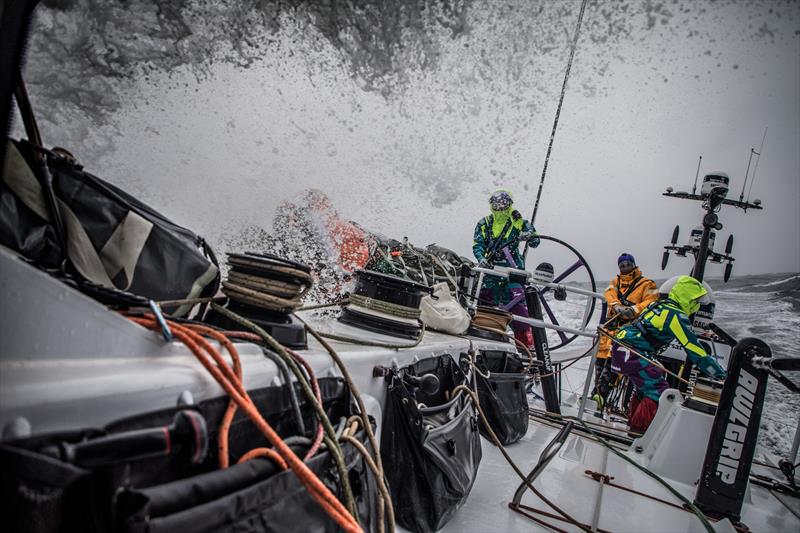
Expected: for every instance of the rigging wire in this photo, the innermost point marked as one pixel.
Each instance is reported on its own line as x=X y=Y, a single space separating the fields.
x=558 y=114
x=697 y=174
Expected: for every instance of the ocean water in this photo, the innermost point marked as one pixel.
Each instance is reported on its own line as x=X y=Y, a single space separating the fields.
x=767 y=307
x=409 y=113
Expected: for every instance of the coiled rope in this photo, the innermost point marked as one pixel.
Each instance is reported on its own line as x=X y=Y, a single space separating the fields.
x=401 y=311
x=266 y=282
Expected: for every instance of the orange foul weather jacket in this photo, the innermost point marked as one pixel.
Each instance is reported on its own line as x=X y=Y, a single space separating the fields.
x=630 y=289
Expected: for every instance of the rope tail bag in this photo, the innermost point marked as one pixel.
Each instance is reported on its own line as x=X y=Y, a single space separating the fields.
x=430 y=443
x=500 y=377
x=173 y=480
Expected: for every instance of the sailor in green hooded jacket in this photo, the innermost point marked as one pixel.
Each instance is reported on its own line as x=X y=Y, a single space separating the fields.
x=658 y=325
x=496 y=242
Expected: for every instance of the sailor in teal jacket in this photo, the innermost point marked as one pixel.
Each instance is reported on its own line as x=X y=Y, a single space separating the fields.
x=496 y=242
x=658 y=325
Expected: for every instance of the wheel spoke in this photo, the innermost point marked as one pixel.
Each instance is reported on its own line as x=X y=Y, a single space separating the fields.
x=552 y=316
x=564 y=274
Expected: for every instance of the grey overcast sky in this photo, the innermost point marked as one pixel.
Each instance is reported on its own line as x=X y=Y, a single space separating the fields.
x=410 y=123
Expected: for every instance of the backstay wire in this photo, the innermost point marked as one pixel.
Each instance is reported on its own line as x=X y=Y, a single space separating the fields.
x=558 y=114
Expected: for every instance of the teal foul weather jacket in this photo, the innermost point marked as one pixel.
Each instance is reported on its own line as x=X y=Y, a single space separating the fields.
x=668 y=319
x=494 y=233
x=499 y=230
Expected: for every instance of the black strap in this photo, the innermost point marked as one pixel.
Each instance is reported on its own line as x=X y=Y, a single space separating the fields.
x=496 y=244
x=657 y=343
x=623 y=297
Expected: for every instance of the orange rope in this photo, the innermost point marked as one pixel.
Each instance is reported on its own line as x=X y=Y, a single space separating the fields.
x=246 y=335
x=263 y=452
x=227 y=419
x=233 y=386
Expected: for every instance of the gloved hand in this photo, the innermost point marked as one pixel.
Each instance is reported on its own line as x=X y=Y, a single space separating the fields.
x=710 y=367
x=525 y=235
x=624 y=311
x=484 y=263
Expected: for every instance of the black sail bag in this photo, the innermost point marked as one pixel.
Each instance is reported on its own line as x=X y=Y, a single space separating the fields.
x=108 y=238
x=430 y=445
x=501 y=390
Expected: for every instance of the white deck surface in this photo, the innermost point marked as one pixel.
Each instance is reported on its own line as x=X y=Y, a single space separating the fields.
x=80 y=365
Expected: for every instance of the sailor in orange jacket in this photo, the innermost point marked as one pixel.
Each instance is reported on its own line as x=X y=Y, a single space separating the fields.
x=628 y=294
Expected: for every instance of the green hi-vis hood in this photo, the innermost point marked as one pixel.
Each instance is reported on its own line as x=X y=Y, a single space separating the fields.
x=686 y=292
x=501 y=217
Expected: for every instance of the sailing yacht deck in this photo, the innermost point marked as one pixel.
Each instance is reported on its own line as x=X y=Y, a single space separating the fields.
x=92 y=366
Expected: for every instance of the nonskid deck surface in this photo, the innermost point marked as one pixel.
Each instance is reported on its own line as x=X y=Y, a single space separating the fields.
x=565 y=482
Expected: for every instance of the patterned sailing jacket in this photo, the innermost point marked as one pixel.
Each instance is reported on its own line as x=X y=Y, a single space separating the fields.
x=501 y=229
x=657 y=326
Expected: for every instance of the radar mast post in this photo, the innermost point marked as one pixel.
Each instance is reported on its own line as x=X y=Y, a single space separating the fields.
x=713 y=196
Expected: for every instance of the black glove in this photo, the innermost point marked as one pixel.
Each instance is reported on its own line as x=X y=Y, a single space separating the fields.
x=624 y=311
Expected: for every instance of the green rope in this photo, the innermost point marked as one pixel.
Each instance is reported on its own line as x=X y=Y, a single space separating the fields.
x=364 y=342
x=653 y=475
x=401 y=311
x=321 y=306
x=364 y=419
x=335 y=450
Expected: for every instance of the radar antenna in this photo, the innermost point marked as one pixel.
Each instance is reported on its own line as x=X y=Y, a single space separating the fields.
x=713 y=194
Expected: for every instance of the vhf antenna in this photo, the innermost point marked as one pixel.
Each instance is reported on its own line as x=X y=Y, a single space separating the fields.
x=750 y=160
x=694 y=187
x=760 y=151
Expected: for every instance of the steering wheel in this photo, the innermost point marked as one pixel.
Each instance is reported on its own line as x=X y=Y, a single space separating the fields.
x=554 y=303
